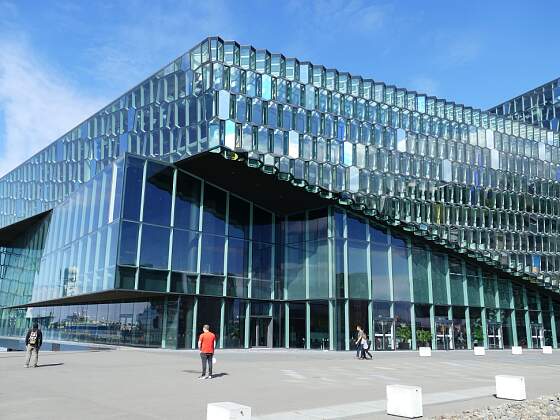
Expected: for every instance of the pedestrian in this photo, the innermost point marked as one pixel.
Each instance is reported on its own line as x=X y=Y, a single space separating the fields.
x=365 y=347
x=33 y=342
x=358 y=341
x=206 y=345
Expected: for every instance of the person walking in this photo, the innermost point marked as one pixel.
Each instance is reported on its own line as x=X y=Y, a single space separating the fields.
x=359 y=341
x=33 y=342
x=365 y=347
x=206 y=345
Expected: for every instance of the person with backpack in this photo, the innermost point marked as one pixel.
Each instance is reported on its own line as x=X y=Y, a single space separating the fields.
x=206 y=345
x=33 y=342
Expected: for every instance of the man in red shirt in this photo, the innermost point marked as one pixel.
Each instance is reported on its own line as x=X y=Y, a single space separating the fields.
x=206 y=345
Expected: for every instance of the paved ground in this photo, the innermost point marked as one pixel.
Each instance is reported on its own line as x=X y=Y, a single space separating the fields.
x=159 y=384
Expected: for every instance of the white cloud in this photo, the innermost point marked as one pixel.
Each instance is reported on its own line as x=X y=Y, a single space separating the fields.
x=37 y=104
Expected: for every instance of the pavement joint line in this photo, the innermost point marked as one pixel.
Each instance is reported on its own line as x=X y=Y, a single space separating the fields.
x=341 y=411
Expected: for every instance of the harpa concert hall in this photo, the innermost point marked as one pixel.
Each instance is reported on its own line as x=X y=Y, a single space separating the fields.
x=284 y=203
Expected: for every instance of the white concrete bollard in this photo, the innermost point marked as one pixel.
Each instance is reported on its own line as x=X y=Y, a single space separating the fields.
x=404 y=401
x=510 y=387
x=479 y=351
x=227 y=411
x=547 y=350
x=425 y=351
x=516 y=350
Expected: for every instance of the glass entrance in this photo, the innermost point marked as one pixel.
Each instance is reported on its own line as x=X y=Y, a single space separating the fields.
x=383 y=336
x=537 y=335
x=261 y=332
x=494 y=334
x=444 y=334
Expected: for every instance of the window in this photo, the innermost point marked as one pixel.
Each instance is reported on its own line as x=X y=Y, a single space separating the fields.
x=157 y=194
x=133 y=188
x=214 y=210
x=187 y=201
x=128 y=243
x=185 y=250
x=154 y=250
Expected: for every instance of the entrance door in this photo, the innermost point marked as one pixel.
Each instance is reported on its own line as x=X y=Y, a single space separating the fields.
x=494 y=334
x=537 y=335
x=444 y=334
x=383 y=333
x=261 y=332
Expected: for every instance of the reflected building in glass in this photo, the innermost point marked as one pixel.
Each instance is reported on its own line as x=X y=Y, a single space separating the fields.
x=284 y=203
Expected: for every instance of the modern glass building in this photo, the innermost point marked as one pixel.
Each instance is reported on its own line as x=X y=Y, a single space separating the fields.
x=540 y=107
x=284 y=203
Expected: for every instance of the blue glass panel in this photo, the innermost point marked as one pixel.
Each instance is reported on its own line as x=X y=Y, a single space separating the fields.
x=133 y=188
x=214 y=210
x=154 y=249
x=185 y=250
x=128 y=243
x=157 y=194
x=212 y=254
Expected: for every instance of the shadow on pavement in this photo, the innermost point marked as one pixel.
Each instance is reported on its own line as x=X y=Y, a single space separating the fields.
x=50 y=364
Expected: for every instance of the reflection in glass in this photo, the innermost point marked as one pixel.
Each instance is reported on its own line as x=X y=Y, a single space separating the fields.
x=157 y=194
x=154 y=249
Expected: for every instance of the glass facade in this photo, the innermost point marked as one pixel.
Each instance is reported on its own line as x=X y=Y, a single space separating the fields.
x=540 y=107
x=423 y=221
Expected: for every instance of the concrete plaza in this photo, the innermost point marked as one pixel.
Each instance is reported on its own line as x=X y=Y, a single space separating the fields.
x=278 y=384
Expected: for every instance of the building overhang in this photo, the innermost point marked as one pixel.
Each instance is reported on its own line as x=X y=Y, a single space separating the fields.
x=254 y=185
x=10 y=233
x=106 y=296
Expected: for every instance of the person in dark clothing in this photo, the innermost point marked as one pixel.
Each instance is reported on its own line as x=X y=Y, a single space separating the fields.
x=33 y=342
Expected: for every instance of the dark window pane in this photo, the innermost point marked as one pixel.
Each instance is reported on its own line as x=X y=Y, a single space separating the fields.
x=154 y=250
x=133 y=188
x=473 y=288
x=401 y=284
x=214 y=210
x=295 y=271
x=262 y=261
x=356 y=227
x=296 y=228
x=128 y=244
x=238 y=218
x=439 y=278
x=339 y=223
x=456 y=282
x=238 y=257
x=211 y=285
x=318 y=224
x=187 y=201
x=185 y=250
x=183 y=283
x=319 y=325
x=152 y=280
x=126 y=278
x=234 y=323
x=381 y=286
x=420 y=274
x=212 y=258
x=318 y=260
x=237 y=287
x=209 y=312
x=297 y=325
x=262 y=225
x=157 y=194
x=357 y=270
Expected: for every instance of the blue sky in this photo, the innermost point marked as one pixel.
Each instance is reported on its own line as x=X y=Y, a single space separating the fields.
x=62 y=61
